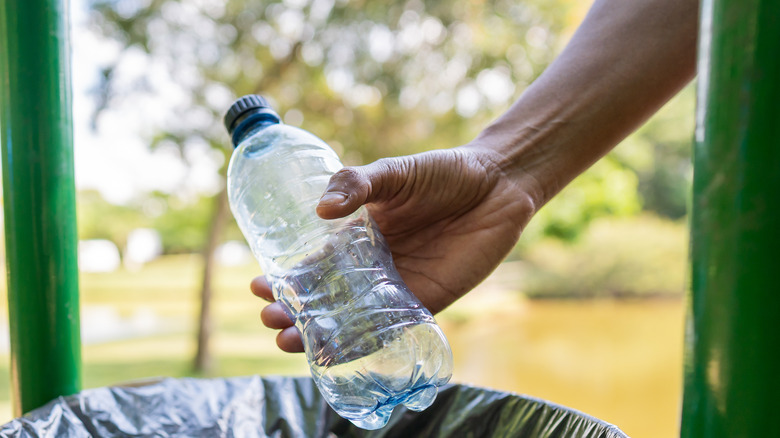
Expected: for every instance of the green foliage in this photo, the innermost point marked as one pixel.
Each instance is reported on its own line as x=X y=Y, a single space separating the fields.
x=373 y=79
x=99 y=219
x=182 y=224
x=637 y=257
x=377 y=79
x=660 y=154
x=607 y=189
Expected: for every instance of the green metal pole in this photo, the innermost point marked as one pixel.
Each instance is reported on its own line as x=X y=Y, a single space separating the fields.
x=732 y=355
x=39 y=200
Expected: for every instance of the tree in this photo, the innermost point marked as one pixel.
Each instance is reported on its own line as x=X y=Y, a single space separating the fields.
x=373 y=79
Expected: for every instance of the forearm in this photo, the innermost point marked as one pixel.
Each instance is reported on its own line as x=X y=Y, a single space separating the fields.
x=623 y=63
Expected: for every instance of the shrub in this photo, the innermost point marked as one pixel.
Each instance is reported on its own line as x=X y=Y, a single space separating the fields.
x=627 y=257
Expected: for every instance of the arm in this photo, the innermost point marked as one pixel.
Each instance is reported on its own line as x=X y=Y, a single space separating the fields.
x=451 y=216
x=623 y=63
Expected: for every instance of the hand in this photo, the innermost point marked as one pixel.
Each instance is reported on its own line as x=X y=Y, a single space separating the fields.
x=449 y=217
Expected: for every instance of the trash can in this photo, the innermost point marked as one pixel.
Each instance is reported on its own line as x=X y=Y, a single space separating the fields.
x=290 y=407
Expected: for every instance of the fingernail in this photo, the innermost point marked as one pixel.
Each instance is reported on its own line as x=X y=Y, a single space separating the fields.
x=333 y=198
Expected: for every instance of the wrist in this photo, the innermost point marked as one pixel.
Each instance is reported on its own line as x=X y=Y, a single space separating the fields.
x=623 y=63
x=514 y=176
x=529 y=149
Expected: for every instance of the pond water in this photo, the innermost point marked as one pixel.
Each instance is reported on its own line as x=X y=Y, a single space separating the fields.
x=620 y=361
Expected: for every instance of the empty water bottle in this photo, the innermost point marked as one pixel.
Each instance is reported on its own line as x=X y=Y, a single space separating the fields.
x=371 y=345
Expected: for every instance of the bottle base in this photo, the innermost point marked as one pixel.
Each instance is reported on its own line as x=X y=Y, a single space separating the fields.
x=415 y=400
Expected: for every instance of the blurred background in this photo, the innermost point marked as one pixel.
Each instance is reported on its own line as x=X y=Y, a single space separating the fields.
x=586 y=312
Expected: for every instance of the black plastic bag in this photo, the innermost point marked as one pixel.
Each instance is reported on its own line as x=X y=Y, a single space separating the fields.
x=290 y=407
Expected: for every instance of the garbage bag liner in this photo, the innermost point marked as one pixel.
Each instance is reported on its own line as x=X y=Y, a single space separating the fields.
x=290 y=407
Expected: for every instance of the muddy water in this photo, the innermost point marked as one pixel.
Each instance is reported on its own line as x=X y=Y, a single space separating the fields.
x=620 y=361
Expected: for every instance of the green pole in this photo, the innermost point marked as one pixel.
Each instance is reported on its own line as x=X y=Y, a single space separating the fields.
x=732 y=353
x=39 y=201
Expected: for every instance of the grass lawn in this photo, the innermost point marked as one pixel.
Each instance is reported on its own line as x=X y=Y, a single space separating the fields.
x=619 y=360
x=168 y=290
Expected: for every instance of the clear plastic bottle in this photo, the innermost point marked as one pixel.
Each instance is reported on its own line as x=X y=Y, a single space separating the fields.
x=371 y=345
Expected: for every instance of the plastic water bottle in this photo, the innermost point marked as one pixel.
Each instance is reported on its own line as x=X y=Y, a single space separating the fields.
x=371 y=345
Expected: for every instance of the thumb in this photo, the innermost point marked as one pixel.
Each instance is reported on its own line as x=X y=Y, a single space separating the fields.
x=351 y=187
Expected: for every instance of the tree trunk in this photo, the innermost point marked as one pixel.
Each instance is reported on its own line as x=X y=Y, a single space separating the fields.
x=203 y=360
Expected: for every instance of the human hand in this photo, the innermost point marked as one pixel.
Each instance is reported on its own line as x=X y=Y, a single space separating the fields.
x=449 y=217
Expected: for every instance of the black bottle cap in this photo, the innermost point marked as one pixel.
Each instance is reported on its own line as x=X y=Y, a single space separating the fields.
x=246 y=106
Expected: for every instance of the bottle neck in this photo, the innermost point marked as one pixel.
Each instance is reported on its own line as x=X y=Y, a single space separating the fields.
x=251 y=123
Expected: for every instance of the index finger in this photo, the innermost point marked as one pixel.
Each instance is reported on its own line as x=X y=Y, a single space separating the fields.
x=259 y=286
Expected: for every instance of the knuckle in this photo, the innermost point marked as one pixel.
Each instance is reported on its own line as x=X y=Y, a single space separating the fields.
x=390 y=165
x=344 y=178
x=347 y=173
